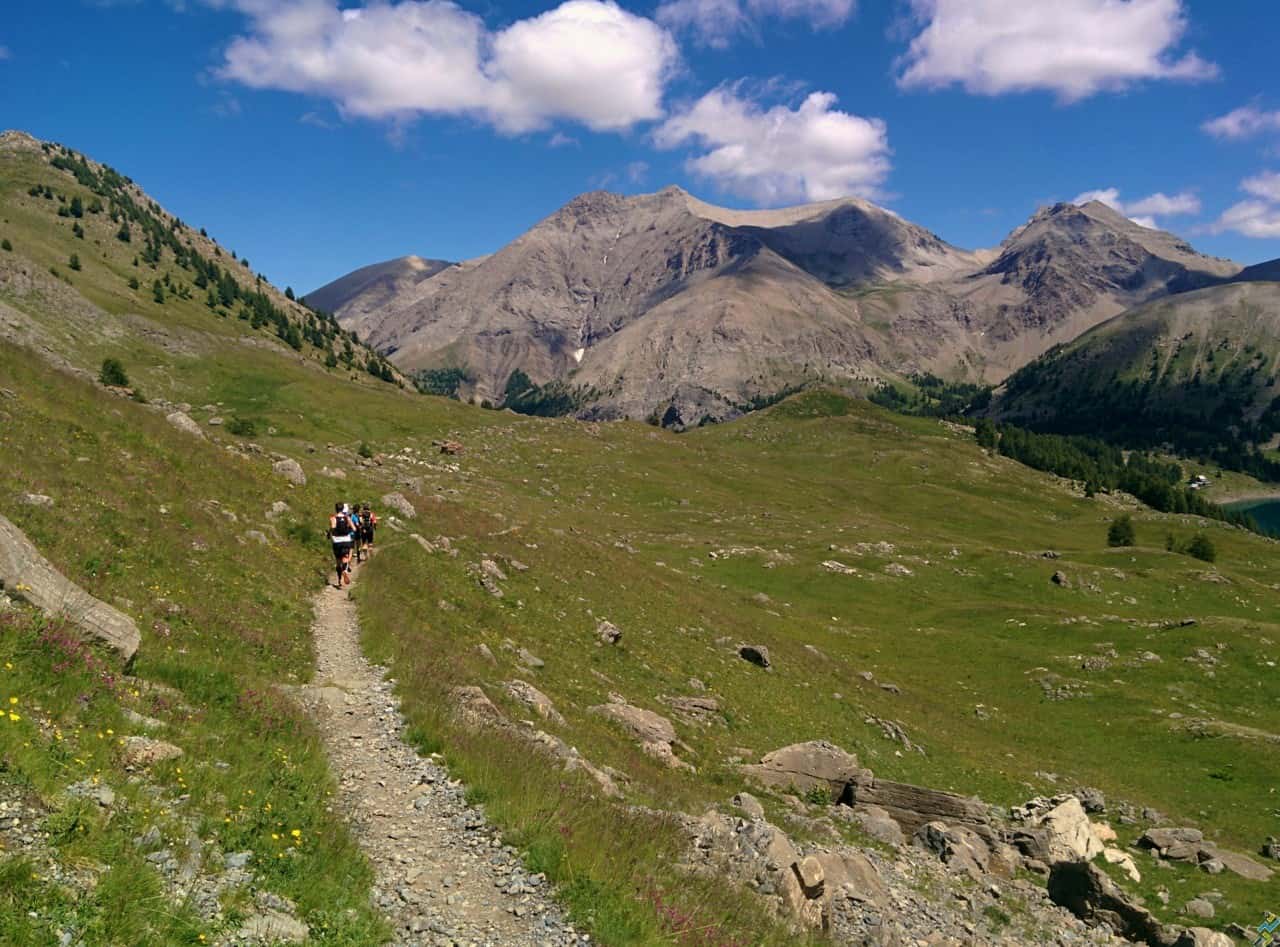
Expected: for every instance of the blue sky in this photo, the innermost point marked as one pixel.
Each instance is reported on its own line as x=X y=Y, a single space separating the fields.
x=314 y=136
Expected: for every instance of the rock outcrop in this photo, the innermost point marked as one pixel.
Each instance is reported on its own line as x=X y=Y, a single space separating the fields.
x=804 y=767
x=26 y=574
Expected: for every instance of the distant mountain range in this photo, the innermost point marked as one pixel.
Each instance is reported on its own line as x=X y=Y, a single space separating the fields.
x=664 y=306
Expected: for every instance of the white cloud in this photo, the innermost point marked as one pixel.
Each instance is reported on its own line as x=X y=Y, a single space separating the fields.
x=1257 y=219
x=561 y=140
x=1254 y=218
x=1244 y=122
x=1144 y=211
x=814 y=152
x=637 y=171
x=4 y=53
x=716 y=22
x=1265 y=185
x=1074 y=48
x=587 y=61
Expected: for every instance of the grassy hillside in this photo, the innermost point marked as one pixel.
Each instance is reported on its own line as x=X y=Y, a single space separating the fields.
x=862 y=548
x=1197 y=372
x=696 y=543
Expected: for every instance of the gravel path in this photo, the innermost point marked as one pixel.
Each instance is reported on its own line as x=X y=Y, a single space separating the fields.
x=443 y=875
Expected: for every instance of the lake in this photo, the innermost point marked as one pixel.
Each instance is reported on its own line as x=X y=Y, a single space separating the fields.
x=1266 y=513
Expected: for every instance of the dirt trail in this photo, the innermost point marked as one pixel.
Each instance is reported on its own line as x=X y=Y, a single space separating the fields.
x=443 y=875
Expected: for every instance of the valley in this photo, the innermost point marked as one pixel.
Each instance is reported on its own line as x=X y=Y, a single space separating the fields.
x=596 y=631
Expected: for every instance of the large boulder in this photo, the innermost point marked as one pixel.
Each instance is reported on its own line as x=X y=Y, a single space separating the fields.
x=1087 y=892
x=26 y=574
x=1069 y=834
x=801 y=767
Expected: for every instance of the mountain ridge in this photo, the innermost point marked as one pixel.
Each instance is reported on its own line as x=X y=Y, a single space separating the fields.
x=663 y=304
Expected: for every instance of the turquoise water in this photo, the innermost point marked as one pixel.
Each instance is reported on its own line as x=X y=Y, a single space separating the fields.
x=1266 y=513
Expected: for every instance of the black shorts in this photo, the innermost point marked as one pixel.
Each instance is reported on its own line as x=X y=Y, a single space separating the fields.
x=366 y=534
x=341 y=551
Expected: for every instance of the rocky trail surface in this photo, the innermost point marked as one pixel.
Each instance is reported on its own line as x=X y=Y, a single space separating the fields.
x=444 y=877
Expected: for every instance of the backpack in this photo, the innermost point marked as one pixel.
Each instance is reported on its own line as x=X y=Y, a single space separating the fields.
x=341 y=525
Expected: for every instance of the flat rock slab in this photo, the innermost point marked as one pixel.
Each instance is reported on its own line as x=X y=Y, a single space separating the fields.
x=26 y=574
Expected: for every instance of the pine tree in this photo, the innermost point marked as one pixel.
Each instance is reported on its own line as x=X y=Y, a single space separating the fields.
x=113 y=373
x=1202 y=548
x=133 y=282
x=124 y=235
x=6 y=246
x=74 y=262
x=77 y=207
x=288 y=293
x=157 y=292
x=1121 y=532
x=77 y=231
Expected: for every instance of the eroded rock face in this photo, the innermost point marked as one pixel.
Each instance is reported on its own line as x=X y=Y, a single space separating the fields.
x=959 y=848
x=802 y=767
x=24 y=573
x=1088 y=893
x=913 y=806
x=809 y=888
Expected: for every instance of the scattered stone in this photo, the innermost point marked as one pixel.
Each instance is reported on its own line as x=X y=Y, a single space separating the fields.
x=333 y=473
x=35 y=499
x=183 y=422
x=474 y=708
x=530 y=660
x=531 y=697
x=756 y=654
x=1060 y=579
x=257 y=536
x=654 y=732
x=291 y=470
x=397 y=503
x=1091 y=799
x=608 y=632
x=898 y=569
x=273 y=927
x=144 y=751
x=1199 y=907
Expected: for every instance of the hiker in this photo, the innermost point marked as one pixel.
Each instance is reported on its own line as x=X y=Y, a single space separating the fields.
x=342 y=535
x=353 y=511
x=369 y=522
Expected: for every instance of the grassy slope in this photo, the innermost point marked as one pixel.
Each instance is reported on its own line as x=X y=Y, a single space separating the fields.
x=617 y=521
x=221 y=625
x=1191 y=351
x=978 y=623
